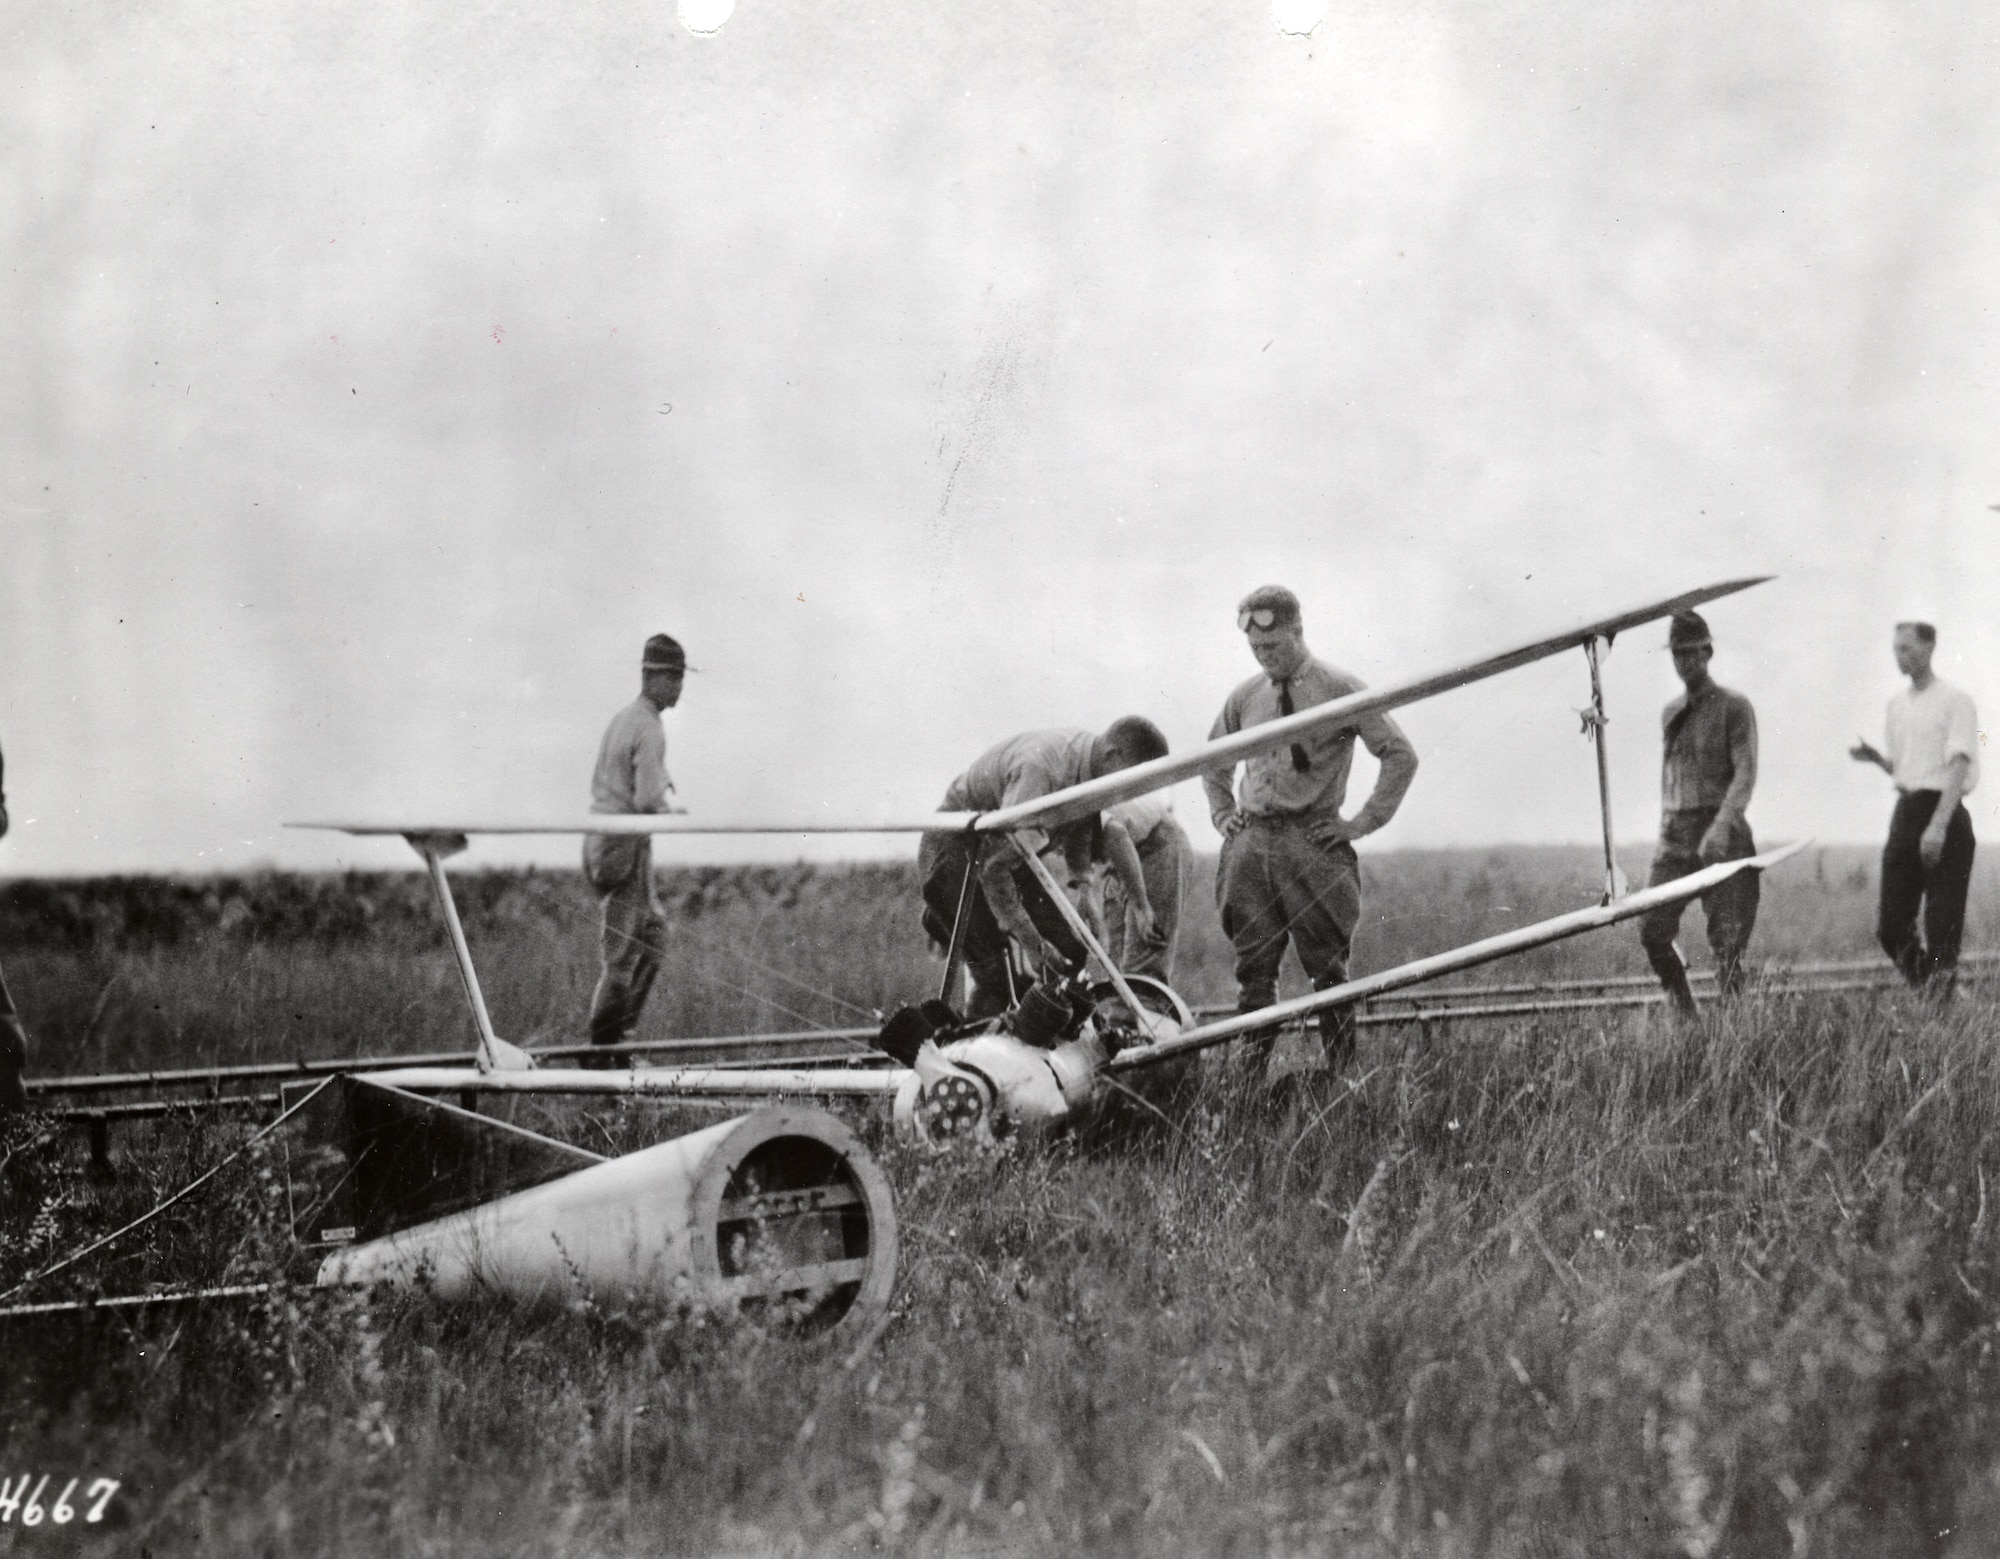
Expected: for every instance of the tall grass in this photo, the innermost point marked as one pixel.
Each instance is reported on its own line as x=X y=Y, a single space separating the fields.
x=1570 y=1286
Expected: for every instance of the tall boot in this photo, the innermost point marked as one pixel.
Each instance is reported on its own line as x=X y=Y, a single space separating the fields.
x=1674 y=980
x=1337 y=1037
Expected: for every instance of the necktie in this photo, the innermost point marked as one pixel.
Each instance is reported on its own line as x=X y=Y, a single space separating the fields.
x=1300 y=762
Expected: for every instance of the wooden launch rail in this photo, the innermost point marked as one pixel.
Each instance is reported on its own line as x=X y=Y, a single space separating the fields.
x=235 y=1087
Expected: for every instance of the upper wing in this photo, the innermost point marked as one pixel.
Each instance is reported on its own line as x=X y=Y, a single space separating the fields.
x=1064 y=806
x=1076 y=801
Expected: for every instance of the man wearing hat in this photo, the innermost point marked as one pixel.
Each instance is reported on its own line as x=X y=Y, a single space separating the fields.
x=1708 y=767
x=1933 y=756
x=631 y=776
x=1288 y=874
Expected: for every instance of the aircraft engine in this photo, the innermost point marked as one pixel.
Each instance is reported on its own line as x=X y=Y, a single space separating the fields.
x=978 y=1087
x=981 y=1086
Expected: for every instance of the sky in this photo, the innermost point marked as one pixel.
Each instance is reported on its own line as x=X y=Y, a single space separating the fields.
x=379 y=376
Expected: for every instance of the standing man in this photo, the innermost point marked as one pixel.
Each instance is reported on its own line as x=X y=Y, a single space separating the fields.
x=1932 y=733
x=1002 y=898
x=1141 y=930
x=1289 y=872
x=1708 y=767
x=631 y=776
x=13 y=1038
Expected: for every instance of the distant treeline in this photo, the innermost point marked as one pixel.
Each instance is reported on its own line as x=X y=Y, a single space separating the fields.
x=339 y=908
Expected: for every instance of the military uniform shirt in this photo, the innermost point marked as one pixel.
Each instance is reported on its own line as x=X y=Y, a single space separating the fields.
x=631 y=772
x=1023 y=768
x=1272 y=786
x=1035 y=763
x=1142 y=814
x=1708 y=752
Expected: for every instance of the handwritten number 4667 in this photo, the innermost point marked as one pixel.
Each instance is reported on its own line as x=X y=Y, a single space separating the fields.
x=16 y=1497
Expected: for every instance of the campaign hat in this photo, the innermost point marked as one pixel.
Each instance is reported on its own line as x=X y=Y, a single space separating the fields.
x=664 y=653
x=1688 y=631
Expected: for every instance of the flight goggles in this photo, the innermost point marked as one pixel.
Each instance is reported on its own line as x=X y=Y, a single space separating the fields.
x=1262 y=617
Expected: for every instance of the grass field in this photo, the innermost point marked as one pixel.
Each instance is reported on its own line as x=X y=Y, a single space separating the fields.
x=1587 y=1284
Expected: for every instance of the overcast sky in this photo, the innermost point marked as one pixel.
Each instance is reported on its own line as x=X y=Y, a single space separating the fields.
x=379 y=375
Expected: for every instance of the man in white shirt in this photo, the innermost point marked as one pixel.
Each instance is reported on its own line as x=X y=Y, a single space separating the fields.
x=631 y=776
x=1932 y=736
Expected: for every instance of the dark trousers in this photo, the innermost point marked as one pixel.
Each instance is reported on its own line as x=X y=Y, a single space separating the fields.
x=1731 y=907
x=1908 y=884
x=13 y=1054
x=634 y=935
x=943 y=864
x=1276 y=887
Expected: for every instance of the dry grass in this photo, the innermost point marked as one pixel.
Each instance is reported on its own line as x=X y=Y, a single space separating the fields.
x=1573 y=1286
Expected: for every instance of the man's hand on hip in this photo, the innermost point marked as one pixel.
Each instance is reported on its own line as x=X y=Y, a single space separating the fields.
x=1330 y=831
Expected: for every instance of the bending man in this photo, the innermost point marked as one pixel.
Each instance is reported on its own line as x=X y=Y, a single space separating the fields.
x=1289 y=875
x=1003 y=901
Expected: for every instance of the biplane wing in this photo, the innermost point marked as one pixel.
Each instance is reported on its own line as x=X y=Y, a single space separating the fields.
x=651 y=823
x=1065 y=806
x=698 y=1081
x=1076 y=801
x=1352 y=992
x=435 y=839
x=993 y=1077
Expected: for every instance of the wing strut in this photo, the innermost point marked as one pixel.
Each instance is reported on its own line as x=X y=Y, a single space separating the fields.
x=1594 y=722
x=1142 y=1016
x=954 y=955
x=494 y=1052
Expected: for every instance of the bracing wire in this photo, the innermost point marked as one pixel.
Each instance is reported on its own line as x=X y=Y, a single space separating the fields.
x=758 y=996
x=185 y=1191
x=810 y=989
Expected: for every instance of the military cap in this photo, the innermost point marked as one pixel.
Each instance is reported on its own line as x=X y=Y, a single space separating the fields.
x=1687 y=631
x=664 y=653
x=1266 y=607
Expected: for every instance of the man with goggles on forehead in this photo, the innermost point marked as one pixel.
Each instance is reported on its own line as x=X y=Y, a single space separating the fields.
x=1288 y=874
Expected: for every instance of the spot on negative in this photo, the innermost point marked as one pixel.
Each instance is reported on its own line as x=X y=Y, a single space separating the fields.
x=1298 y=17
x=704 y=18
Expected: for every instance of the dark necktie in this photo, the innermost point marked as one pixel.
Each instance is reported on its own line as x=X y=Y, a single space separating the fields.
x=1300 y=762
